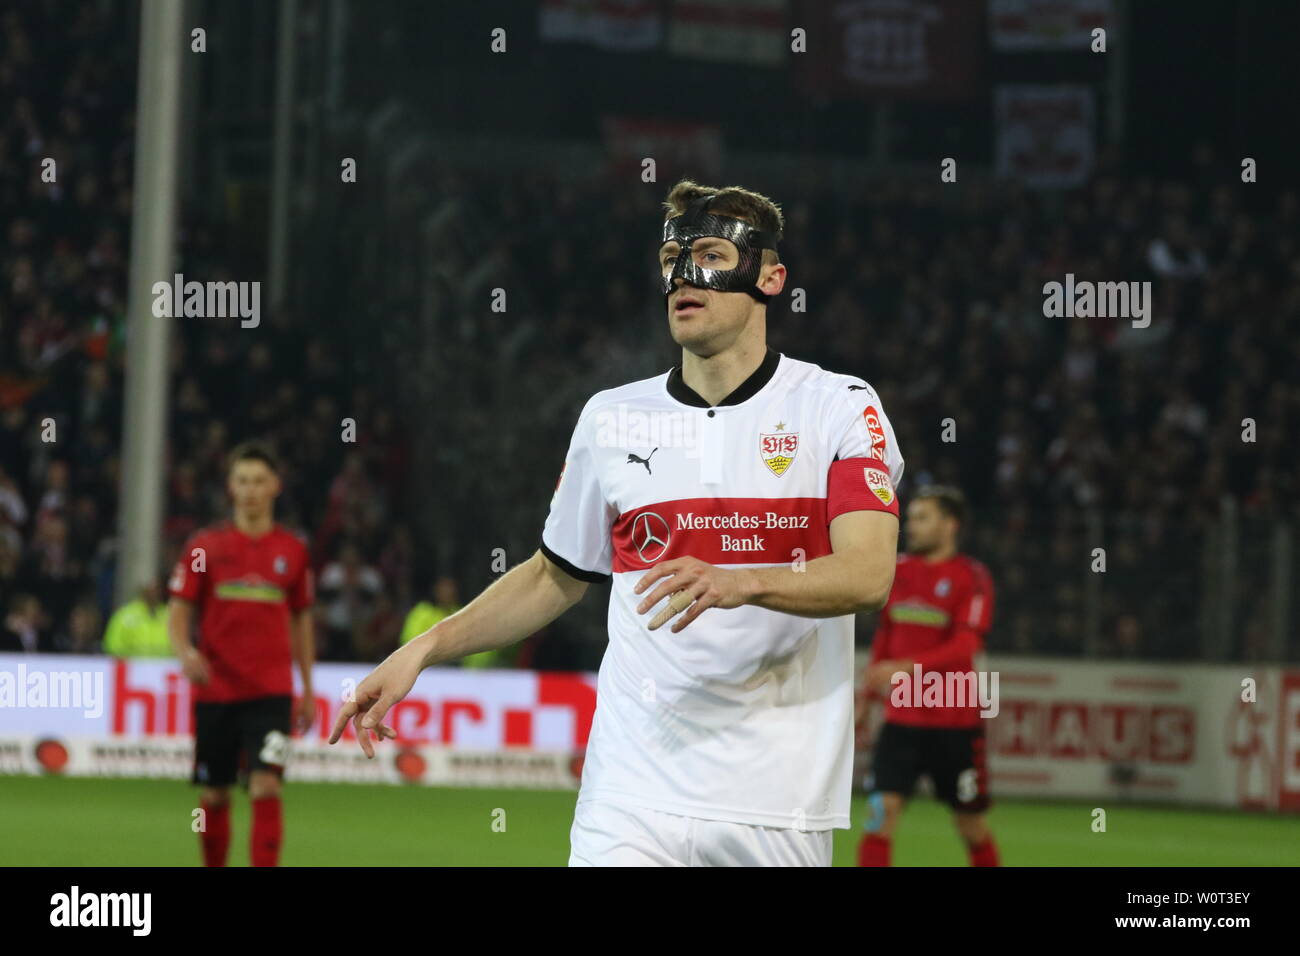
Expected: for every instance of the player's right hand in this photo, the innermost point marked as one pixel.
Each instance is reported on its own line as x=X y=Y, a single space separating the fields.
x=195 y=666
x=880 y=676
x=385 y=686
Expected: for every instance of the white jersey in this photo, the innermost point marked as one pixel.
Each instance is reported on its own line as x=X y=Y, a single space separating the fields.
x=746 y=715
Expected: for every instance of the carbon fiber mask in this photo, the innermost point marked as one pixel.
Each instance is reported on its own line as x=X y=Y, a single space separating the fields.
x=697 y=222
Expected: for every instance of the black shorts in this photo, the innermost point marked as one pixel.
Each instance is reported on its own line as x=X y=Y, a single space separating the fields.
x=240 y=736
x=952 y=758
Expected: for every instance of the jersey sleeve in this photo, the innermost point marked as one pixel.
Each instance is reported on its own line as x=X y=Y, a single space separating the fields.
x=972 y=617
x=577 y=532
x=302 y=593
x=975 y=611
x=867 y=464
x=186 y=582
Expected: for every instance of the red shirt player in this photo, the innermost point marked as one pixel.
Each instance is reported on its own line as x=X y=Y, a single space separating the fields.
x=250 y=583
x=939 y=609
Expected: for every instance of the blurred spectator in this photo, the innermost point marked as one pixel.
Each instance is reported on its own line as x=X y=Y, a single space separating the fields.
x=1128 y=637
x=347 y=594
x=84 y=628
x=1175 y=254
x=934 y=296
x=22 y=625
x=139 y=627
x=13 y=511
x=378 y=637
x=443 y=601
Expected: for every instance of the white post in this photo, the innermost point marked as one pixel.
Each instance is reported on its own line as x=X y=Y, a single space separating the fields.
x=153 y=234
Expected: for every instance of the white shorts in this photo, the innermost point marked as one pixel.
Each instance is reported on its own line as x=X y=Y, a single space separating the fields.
x=612 y=834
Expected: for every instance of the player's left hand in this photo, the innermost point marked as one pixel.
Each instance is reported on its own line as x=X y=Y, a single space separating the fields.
x=304 y=712
x=695 y=586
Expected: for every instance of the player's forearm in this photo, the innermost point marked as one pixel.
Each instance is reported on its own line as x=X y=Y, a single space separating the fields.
x=521 y=602
x=950 y=654
x=830 y=586
x=304 y=648
x=180 y=615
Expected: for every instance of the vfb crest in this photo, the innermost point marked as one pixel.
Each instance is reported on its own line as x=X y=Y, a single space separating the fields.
x=778 y=450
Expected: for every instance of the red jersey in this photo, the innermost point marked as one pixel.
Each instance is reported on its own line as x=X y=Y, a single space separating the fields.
x=245 y=588
x=937 y=616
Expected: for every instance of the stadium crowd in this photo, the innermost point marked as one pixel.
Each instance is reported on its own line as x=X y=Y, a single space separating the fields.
x=1066 y=434
x=1061 y=430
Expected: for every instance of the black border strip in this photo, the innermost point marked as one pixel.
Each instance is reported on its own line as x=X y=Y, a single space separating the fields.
x=591 y=577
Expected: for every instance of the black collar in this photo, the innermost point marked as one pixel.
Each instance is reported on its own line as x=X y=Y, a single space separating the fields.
x=679 y=390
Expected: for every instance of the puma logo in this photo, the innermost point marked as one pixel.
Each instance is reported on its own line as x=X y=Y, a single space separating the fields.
x=857 y=388
x=642 y=461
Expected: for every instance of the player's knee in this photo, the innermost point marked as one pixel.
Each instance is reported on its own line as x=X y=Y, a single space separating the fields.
x=215 y=797
x=263 y=785
x=972 y=827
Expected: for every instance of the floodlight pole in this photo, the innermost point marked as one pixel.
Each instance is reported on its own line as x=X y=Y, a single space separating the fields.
x=153 y=232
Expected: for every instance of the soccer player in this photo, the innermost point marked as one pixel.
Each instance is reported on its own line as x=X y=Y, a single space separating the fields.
x=749 y=498
x=249 y=582
x=939 y=610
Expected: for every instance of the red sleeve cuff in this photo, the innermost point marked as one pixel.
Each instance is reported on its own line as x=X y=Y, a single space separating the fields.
x=859 y=484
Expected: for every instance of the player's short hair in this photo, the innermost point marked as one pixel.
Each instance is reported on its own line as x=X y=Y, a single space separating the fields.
x=949 y=499
x=253 y=451
x=735 y=201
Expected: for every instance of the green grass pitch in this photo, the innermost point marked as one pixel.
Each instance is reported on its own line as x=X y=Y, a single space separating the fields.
x=70 y=821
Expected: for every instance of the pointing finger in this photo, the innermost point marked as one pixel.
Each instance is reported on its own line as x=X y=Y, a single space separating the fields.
x=341 y=721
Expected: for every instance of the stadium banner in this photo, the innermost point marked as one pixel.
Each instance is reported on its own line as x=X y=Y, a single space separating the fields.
x=1016 y=25
x=1213 y=735
x=102 y=716
x=746 y=32
x=624 y=25
x=1165 y=733
x=1045 y=135
x=1158 y=732
x=675 y=145
x=892 y=49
